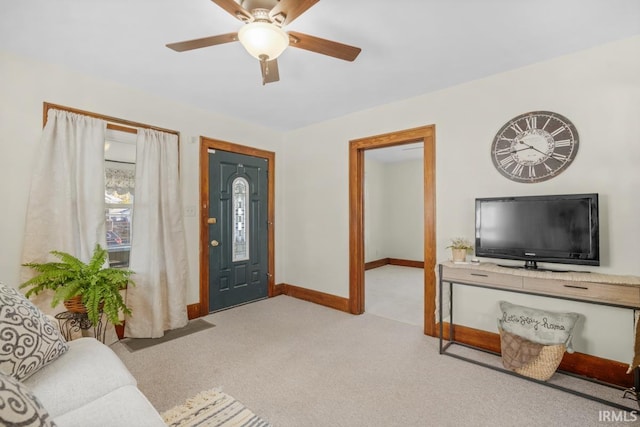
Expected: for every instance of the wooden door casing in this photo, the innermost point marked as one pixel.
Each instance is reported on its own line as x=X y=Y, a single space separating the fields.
x=206 y=144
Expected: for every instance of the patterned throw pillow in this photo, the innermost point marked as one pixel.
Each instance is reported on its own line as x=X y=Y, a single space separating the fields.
x=19 y=407
x=29 y=339
x=539 y=326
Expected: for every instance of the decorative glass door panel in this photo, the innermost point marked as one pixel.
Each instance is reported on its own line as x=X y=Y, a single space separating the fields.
x=240 y=219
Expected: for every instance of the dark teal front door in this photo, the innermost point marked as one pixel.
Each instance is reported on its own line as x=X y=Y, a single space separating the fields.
x=238 y=246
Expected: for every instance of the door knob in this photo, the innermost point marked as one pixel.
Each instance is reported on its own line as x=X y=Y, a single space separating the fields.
x=214 y=243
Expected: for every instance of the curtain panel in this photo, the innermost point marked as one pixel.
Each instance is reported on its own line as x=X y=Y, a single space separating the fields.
x=65 y=211
x=158 y=245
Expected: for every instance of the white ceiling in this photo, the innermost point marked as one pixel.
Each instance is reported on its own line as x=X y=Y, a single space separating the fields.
x=409 y=47
x=396 y=153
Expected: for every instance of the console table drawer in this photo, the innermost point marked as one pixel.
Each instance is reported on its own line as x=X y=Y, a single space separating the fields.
x=602 y=292
x=494 y=280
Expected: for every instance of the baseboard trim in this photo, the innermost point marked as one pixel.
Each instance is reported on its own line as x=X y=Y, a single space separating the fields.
x=193 y=311
x=317 y=297
x=406 y=263
x=120 y=330
x=609 y=371
x=278 y=289
x=393 y=261
x=375 y=264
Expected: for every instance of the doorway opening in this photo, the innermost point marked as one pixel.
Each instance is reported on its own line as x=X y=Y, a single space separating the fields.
x=357 y=148
x=208 y=145
x=393 y=240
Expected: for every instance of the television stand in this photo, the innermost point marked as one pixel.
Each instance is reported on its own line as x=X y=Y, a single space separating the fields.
x=594 y=288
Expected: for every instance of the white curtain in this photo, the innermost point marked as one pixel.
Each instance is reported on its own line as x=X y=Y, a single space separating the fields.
x=66 y=206
x=158 y=250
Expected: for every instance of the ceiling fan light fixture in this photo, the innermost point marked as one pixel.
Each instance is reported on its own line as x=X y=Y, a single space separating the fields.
x=262 y=39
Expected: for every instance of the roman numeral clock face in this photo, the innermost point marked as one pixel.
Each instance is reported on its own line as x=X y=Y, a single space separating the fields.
x=534 y=147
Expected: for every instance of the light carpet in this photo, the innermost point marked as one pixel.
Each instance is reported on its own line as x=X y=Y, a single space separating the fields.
x=212 y=408
x=296 y=364
x=395 y=292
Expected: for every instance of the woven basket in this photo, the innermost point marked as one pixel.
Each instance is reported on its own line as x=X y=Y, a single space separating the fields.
x=546 y=364
x=543 y=366
x=75 y=305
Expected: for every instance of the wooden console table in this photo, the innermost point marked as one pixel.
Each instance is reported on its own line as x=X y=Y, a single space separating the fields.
x=609 y=290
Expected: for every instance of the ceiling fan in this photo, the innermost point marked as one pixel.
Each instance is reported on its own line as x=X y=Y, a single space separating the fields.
x=263 y=37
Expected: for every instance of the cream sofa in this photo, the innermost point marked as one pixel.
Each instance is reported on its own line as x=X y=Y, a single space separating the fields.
x=90 y=386
x=81 y=383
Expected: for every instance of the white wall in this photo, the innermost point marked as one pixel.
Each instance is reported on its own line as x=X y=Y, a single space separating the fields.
x=375 y=222
x=598 y=89
x=25 y=85
x=405 y=206
x=393 y=211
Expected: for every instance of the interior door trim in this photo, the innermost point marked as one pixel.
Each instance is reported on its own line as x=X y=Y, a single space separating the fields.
x=357 y=147
x=207 y=144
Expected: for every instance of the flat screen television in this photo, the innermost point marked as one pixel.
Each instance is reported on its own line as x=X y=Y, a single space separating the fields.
x=554 y=228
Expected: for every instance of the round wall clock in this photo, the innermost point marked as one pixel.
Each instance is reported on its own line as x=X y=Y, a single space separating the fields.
x=535 y=146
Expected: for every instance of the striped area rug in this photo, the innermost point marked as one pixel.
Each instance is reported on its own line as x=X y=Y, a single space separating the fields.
x=212 y=408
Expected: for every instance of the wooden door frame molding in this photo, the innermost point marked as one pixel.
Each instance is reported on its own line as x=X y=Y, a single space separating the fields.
x=357 y=147
x=207 y=144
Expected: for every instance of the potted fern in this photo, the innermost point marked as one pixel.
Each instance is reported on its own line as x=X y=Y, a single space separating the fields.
x=89 y=286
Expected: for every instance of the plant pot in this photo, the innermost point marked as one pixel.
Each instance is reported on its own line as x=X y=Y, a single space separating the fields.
x=75 y=305
x=459 y=255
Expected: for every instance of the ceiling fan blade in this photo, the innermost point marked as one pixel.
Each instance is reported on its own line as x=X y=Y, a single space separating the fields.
x=291 y=9
x=234 y=9
x=270 y=71
x=203 y=42
x=323 y=46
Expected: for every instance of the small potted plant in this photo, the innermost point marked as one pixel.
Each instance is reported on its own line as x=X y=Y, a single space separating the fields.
x=460 y=247
x=88 y=286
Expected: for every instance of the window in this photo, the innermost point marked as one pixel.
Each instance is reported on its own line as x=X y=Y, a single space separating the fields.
x=240 y=219
x=120 y=152
x=120 y=164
